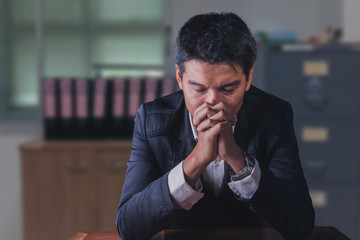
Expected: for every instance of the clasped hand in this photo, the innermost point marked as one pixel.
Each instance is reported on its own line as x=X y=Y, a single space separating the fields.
x=215 y=136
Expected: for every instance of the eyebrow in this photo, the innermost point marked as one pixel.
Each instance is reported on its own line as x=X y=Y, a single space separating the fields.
x=192 y=82
x=234 y=83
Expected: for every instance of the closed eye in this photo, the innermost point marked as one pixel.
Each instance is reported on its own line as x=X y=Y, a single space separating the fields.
x=230 y=87
x=200 y=90
x=227 y=91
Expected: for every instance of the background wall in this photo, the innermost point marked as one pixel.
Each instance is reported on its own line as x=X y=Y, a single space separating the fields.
x=306 y=17
x=351 y=20
x=11 y=135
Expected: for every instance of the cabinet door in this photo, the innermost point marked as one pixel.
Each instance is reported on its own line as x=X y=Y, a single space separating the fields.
x=42 y=195
x=79 y=203
x=112 y=168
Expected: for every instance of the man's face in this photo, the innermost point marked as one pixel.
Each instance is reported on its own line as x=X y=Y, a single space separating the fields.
x=213 y=83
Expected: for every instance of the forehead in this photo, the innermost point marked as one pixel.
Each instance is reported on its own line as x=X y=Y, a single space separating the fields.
x=220 y=73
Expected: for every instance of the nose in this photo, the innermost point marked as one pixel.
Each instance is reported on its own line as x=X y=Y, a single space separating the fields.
x=212 y=98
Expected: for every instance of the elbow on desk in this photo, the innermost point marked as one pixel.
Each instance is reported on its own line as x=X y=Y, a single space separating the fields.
x=125 y=232
x=119 y=223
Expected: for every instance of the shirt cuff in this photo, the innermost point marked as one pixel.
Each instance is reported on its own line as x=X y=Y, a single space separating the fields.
x=181 y=192
x=246 y=187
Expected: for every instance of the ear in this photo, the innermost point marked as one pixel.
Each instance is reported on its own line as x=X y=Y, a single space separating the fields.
x=178 y=77
x=249 y=80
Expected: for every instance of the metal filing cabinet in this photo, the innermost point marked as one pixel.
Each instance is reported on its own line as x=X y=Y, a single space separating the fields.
x=322 y=83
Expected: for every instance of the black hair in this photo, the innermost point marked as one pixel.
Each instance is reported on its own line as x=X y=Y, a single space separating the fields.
x=216 y=38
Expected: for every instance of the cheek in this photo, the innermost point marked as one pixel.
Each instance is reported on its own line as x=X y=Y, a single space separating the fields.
x=234 y=104
x=192 y=102
x=195 y=102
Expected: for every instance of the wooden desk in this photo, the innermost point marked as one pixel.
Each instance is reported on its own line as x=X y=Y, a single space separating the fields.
x=319 y=233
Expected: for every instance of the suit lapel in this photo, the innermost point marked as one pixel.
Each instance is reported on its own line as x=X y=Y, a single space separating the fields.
x=242 y=128
x=184 y=141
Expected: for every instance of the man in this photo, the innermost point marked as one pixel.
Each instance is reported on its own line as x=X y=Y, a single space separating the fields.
x=220 y=153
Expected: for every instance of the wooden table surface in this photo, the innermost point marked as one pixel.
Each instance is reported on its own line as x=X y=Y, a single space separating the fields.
x=267 y=233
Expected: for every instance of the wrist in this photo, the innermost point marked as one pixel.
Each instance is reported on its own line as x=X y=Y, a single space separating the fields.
x=236 y=161
x=193 y=166
x=245 y=171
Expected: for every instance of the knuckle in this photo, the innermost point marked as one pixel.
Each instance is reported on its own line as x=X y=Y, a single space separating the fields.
x=204 y=124
x=219 y=126
x=222 y=113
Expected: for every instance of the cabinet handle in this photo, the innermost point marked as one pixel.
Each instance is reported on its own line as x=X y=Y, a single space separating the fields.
x=315 y=167
x=114 y=166
x=77 y=165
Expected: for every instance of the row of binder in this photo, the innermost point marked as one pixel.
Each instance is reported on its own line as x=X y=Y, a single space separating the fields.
x=80 y=108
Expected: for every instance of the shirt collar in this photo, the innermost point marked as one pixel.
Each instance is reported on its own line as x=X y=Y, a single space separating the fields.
x=193 y=128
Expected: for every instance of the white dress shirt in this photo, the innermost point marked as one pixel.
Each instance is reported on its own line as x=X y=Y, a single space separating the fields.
x=185 y=196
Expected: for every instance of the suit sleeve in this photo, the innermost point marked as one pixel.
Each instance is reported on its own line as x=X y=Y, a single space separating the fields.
x=145 y=206
x=282 y=199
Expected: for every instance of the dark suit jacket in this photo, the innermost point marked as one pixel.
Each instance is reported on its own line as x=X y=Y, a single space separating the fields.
x=162 y=138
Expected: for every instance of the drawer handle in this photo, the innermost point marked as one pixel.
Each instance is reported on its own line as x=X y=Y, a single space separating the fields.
x=115 y=166
x=77 y=165
x=315 y=168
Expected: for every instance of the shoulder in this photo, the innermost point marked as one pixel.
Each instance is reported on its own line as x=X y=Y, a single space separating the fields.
x=165 y=105
x=266 y=109
x=160 y=115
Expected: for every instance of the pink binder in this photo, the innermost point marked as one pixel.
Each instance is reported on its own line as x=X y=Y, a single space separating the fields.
x=81 y=98
x=99 y=98
x=150 y=89
x=167 y=86
x=134 y=95
x=49 y=98
x=119 y=98
x=65 y=98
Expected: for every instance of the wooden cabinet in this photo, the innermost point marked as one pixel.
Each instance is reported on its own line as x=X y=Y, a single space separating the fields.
x=69 y=187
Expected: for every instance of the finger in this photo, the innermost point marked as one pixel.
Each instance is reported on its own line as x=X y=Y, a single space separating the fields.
x=222 y=116
x=219 y=128
x=206 y=124
x=201 y=107
x=223 y=107
x=197 y=111
x=203 y=112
